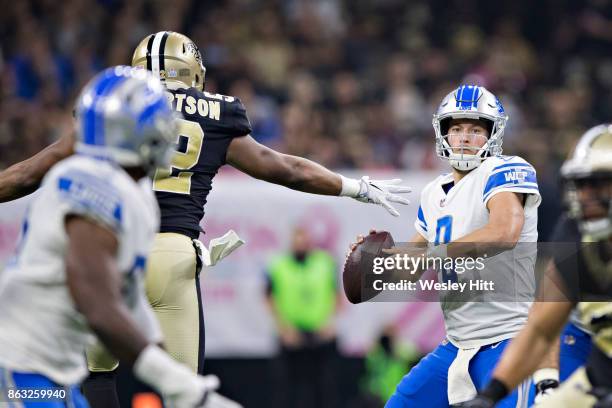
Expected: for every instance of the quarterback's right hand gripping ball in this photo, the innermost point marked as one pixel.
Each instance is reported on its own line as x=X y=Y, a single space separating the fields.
x=357 y=274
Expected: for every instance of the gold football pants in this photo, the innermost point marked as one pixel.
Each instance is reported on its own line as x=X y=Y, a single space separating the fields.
x=572 y=393
x=173 y=290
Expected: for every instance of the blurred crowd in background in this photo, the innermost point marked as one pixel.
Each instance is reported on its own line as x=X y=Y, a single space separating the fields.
x=351 y=84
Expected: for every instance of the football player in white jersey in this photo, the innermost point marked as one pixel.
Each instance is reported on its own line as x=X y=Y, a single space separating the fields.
x=487 y=199
x=79 y=267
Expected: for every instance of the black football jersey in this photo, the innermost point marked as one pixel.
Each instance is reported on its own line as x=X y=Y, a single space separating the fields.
x=573 y=259
x=582 y=269
x=209 y=124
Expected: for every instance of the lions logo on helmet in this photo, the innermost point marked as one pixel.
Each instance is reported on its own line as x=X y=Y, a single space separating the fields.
x=590 y=165
x=168 y=51
x=123 y=115
x=470 y=102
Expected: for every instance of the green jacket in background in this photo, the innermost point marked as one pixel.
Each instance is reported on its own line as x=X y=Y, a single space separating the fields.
x=304 y=292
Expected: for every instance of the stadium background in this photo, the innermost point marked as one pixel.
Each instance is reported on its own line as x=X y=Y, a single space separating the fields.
x=350 y=84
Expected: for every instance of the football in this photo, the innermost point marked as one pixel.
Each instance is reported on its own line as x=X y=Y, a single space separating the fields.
x=357 y=275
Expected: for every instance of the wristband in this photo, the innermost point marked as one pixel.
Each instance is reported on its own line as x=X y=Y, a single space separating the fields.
x=350 y=187
x=545 y=374
x=495 y=390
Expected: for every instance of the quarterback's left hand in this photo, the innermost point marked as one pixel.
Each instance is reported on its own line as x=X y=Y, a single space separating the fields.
x=480 y=401
x=382 y=192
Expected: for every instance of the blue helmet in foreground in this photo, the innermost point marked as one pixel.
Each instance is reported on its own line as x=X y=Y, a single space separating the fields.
x=123 y=115
x=470 y=102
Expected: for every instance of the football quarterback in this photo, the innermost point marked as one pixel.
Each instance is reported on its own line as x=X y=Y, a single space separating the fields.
x=488 y=199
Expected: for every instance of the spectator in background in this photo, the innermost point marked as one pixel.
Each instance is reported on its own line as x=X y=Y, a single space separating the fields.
x=262 y=113
x=385 y=364
x=303 y=298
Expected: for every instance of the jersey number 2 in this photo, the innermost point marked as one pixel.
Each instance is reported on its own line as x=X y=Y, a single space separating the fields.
x=180 y=183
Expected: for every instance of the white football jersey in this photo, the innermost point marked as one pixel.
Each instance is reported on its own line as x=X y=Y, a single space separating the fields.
x=40 y=329
x=444 y=217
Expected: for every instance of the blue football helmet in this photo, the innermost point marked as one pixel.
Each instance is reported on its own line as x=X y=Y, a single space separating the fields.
x=470 y=102
x=123 y=115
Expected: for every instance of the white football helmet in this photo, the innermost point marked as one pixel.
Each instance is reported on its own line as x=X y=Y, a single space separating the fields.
x=470 y=102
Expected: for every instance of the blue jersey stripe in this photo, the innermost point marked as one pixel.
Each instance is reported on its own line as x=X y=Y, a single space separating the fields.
x=513 y=165
x=511 y=177
x=421 y=216
x=88 y=194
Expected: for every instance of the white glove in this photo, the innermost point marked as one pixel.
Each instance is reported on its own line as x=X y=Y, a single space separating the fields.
x=375 y=191
x=179 y=387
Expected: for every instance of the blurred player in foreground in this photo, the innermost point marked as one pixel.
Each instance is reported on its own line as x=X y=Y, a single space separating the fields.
x=488 y=199
x=583 y=273
x=215 y=131
x=79 y=268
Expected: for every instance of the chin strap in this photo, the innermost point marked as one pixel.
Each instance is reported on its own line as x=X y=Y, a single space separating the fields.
x=464 y=165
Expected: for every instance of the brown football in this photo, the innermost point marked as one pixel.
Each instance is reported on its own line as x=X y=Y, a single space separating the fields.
x=357 y=276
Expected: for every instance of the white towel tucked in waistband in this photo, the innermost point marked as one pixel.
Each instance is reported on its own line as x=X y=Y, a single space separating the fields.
x=460 y=385
x=219 y=247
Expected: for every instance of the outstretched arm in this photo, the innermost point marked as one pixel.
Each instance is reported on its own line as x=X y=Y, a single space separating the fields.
x=298 y=173
x=24 y=177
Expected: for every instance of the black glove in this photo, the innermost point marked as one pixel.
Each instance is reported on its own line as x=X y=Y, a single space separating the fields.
x=494 y=392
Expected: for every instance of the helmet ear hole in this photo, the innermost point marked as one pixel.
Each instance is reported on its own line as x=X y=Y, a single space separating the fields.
x=489 y=124
x=444 y=125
